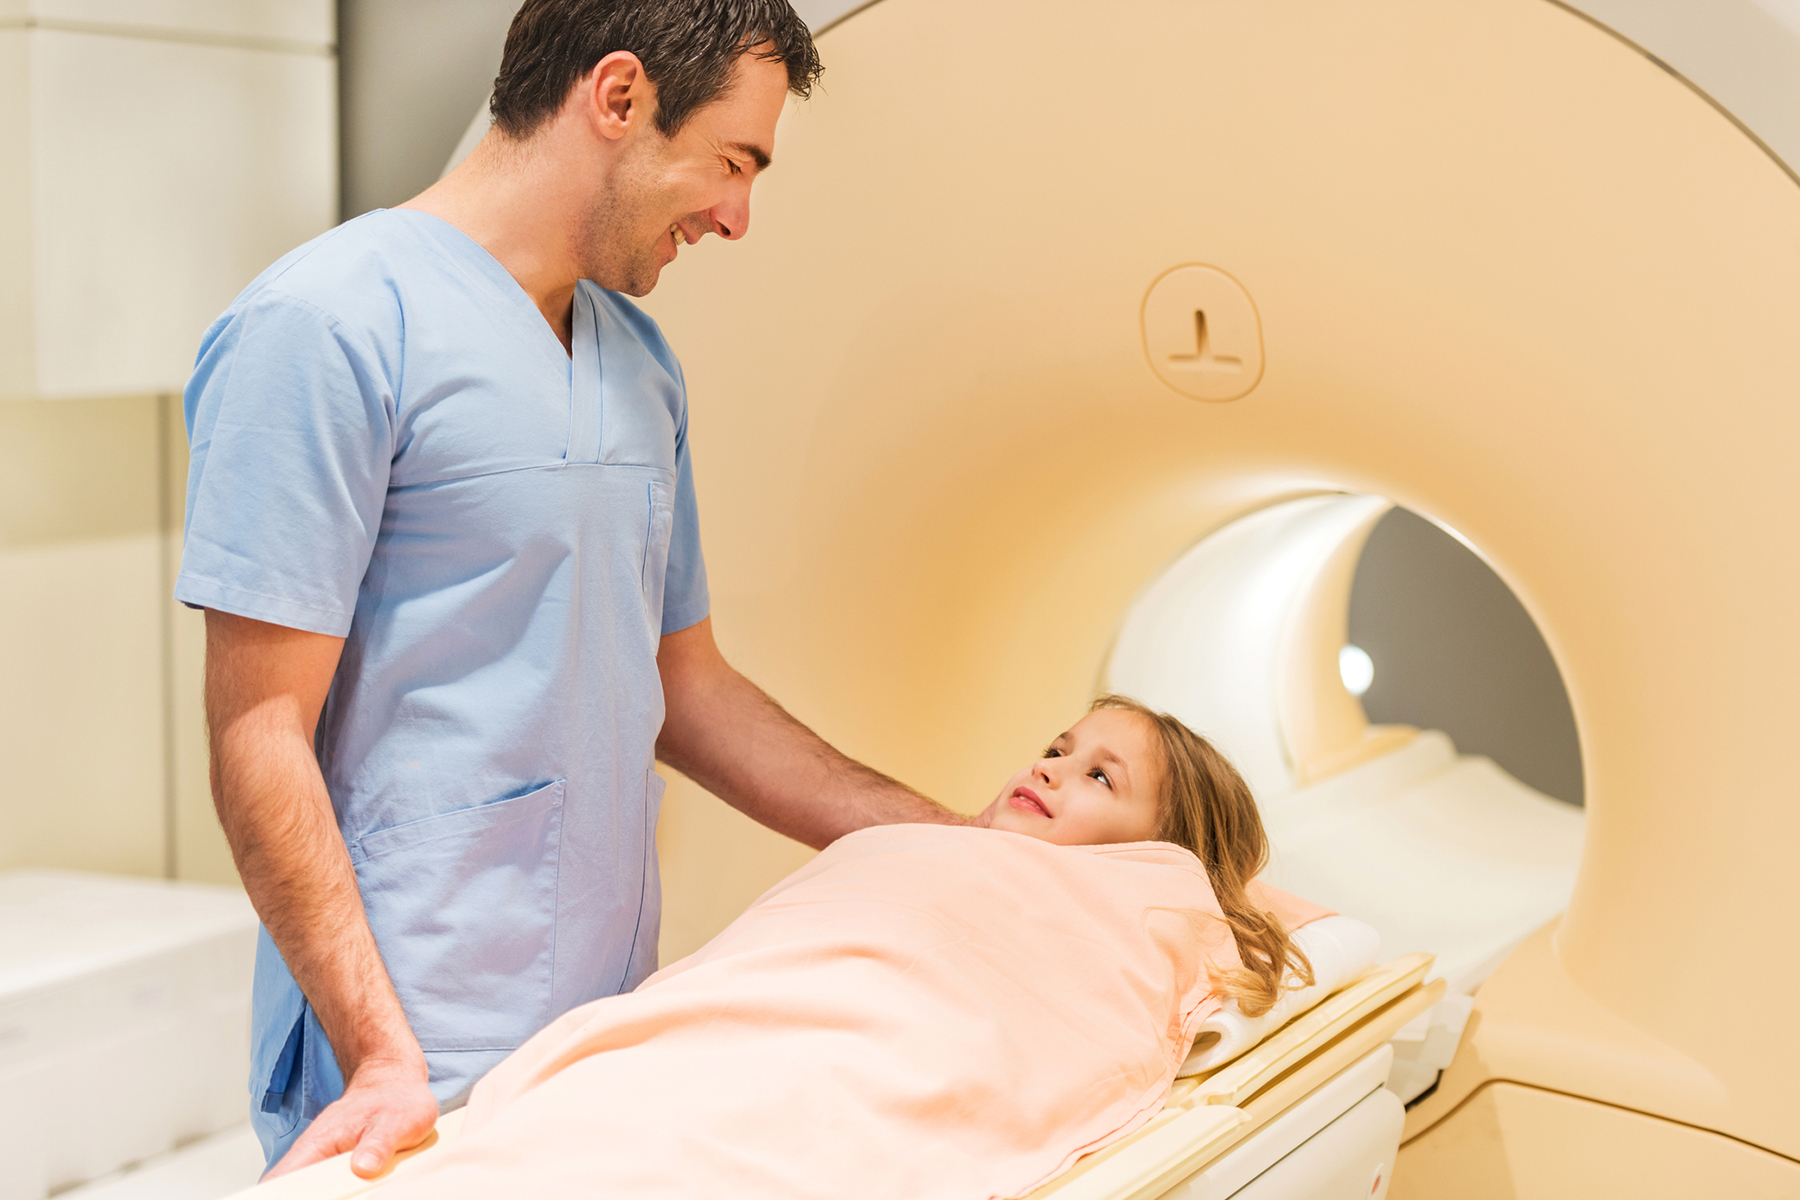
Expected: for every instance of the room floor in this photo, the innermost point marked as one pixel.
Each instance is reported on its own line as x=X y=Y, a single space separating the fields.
x=208 y=1169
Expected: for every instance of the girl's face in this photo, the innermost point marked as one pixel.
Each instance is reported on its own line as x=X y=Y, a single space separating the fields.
x=1101 y=782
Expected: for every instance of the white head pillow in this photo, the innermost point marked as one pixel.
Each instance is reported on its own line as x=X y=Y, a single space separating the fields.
x=1339 y=948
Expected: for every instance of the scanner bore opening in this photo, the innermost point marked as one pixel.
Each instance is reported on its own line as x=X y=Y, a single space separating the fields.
x=1442 y=805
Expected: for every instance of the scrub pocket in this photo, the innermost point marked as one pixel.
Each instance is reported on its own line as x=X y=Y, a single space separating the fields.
x=463 y=906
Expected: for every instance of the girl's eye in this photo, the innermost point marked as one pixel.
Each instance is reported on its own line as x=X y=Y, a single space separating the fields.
x=1101 y=776
x=1053 y=752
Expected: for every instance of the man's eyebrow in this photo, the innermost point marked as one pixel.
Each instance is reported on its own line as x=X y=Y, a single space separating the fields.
x=754 y=153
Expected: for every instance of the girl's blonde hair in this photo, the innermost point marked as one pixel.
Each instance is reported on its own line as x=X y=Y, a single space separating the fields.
x=1207 y=807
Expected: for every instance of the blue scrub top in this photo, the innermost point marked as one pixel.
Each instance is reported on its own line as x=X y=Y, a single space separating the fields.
x=390 y=445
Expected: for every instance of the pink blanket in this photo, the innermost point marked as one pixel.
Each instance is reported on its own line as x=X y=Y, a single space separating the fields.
x=923 y=1011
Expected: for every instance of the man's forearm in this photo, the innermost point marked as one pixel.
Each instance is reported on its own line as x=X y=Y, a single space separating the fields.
x=265 y=686
x=278 y=819
x=298 y=873
x=731 y=738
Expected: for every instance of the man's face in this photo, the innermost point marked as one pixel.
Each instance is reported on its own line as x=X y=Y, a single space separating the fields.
x=664 y=192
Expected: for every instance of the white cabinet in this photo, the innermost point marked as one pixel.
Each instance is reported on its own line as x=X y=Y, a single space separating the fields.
x=124 y=1022
x=155 y=155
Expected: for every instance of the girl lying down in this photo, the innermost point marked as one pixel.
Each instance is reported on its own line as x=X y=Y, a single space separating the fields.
x=922 y=1011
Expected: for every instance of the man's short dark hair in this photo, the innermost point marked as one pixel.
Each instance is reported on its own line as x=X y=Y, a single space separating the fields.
x=689 y=49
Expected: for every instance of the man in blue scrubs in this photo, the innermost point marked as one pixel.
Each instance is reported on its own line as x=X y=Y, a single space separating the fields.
x=441 y=516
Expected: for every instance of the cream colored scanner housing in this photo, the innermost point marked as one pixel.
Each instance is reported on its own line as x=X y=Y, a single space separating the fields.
x=1507 y=271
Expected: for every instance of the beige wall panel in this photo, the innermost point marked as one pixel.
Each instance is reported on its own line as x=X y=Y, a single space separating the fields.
x=165 y=176
x=201 y=852
x=85 y=565
x=1511 y=274
x=16 y=326
x=1519 y=1143
x=304 y=21
x=81 y=703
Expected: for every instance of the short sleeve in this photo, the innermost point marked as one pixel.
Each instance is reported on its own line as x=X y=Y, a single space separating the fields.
x=685 y=598
x=291 y=428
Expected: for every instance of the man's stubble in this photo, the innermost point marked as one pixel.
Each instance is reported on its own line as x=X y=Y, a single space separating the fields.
x=619 y=239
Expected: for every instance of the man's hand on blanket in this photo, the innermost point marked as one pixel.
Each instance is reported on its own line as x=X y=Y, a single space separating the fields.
x=388 y=1107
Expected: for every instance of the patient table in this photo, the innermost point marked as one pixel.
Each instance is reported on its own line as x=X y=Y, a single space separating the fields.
x=1303 y=1110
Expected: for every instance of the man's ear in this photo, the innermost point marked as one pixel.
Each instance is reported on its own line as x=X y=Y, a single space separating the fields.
x=618 y=95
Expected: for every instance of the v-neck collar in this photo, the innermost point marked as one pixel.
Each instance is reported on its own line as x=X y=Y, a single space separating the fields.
x=580 y=363
x=587 y=400
x=472 y=259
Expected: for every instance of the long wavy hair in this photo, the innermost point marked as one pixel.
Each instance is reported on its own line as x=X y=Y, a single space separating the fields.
x=1207 y=807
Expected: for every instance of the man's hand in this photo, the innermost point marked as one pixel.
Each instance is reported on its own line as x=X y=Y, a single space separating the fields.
x=727 y=735
x=386 y=1108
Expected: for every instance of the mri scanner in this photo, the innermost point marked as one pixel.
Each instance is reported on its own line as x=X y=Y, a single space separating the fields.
x=970 y=450
x=1080 y=347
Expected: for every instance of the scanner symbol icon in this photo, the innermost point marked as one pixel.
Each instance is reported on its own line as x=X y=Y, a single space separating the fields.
x=1202 y=335
x=1202 y=358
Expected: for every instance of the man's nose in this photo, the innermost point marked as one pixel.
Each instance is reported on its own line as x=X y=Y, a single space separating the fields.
x=731 y=220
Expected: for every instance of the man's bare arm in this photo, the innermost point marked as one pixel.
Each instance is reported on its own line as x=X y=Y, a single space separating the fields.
x=265 y=685
x=727 y=735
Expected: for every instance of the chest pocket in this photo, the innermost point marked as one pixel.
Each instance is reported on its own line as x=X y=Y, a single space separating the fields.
x=661 y=501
